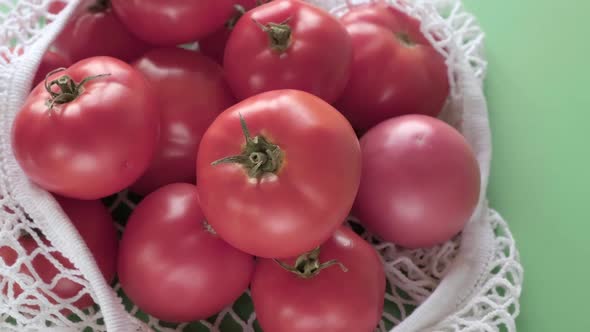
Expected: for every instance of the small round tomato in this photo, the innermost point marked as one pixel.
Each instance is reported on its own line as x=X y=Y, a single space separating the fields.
x=420 y=182
x=316 y=295
x=56 y=7
x=94 y=223
x=288 y=44
x=213 y=45
x=278 y=173
x=97 y=31
x=92 y=135
x=191 y=92
x=395 y=69
x=173 y=22
x=174 y=267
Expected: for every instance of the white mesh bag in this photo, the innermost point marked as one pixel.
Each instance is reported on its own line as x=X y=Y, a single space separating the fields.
x=471 y=283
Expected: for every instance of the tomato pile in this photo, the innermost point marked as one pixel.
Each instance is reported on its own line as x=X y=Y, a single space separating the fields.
x=248 y=154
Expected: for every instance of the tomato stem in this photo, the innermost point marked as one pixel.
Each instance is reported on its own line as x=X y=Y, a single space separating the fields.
x=308 y=265
x=405 y=39
x=69 y=89
x=259 y=156
x=278 y=33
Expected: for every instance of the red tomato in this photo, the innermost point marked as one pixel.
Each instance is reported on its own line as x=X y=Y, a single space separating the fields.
x=94 y=145
x=191 y=92
x=97 y=31
x=173 y=22
x=50 y=61
x=171 y=266
x=213 y=45
x=97 y=229
x=331 y=300
x=395 y=70
x=420 y=182
x=288 y=44
x=292 y=181
x=56 y=7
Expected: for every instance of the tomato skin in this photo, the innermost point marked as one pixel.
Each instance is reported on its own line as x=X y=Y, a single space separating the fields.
x=213 y=45
x=174 y=269
x=299 y=207
x=173 y=22
x=98 y=33
x=317 y=59
x=420 y=184
x=56 y=7
x=191 y=92
x=95 y=145
x=334 y=300
x=97 y=229
x=387 y=77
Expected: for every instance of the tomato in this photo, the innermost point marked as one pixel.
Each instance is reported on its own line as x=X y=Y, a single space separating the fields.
x=173 y=22
x=213 y=45
x=326 y=298
x=420 y=182
x=287 y=186
x=97 y=31
x=94 y=223
x=51 y=60
x=288 y=44
x=94 y=140
x=395 y=69
x=56 y=7
x=172 y=266
x=191 y=92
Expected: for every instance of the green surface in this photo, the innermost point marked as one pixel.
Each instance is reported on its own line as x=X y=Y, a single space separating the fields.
x=538 y=92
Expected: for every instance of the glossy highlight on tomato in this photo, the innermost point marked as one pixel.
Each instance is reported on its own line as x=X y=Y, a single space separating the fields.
x=90 y=140
x=172 y=265
x=191 y=91
x=346 y=294
x=173 y=22
x=395 y=69
x=291 y=178
x=96 y=31
x=420 y=183
x=288 y=44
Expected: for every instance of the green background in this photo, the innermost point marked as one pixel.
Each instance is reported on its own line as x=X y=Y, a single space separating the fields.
x=539 y=102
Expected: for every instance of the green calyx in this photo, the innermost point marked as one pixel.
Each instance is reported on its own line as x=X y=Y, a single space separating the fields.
x=279 y=34
x=405 y=39
x=308 y=265
x=69 y=89
x=259 y=156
